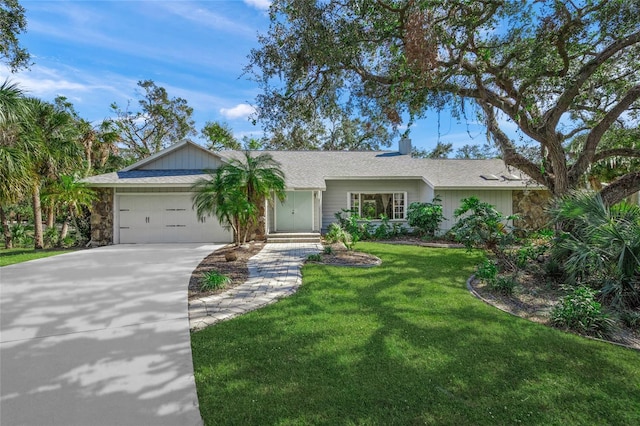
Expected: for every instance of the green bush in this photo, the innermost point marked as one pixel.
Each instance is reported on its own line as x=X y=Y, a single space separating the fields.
x=22 y=235
x=480 y=225
x=630 y=318
x=503 y=285
x=581 y=312
x=361 y=228
x=51 y=237
x=213 y=280
x=327 y=250
x=487 y=270
x=600 y=246
x=316 y=257
x=337 y=234
x=426 y=217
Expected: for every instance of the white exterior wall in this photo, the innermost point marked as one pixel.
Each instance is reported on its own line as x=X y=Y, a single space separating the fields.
x=500 y=199
x=187 y=158
x=336 y=197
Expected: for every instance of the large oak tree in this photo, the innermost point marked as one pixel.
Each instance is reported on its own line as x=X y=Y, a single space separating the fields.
x=559 y=70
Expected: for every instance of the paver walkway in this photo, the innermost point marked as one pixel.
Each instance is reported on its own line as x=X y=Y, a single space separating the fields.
x=273 y=273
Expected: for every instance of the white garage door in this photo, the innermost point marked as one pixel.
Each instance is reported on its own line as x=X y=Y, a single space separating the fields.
x=167 y=218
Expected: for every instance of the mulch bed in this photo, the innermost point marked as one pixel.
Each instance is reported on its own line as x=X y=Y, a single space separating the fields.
x=236 y=270
x=343 y=257
x=534 y=302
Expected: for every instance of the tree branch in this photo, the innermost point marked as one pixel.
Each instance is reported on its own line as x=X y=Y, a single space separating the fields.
x=554 y=114
x=594 y=137
x=621 y=188
x=616 y=152
x=510 y=155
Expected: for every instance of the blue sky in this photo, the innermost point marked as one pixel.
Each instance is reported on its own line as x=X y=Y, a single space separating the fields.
x=94 y=53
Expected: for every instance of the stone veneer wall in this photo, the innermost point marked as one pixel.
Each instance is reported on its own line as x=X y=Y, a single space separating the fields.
x=102 y=218
x=530 y=205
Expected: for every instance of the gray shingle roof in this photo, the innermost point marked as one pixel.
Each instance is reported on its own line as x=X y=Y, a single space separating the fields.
x=311 y=169
x=147 y=177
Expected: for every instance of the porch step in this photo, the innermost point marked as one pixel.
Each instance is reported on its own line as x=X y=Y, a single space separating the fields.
x=302 y=237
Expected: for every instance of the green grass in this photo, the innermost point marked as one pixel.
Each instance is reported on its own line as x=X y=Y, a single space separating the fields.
x=405 y=344
x=18 y=255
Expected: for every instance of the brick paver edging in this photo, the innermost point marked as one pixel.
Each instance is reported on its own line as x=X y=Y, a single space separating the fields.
x=273 y=273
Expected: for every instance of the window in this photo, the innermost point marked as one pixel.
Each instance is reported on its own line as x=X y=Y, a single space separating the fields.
x=374 y=205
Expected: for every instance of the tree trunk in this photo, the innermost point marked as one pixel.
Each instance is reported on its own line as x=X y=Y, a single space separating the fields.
x=37 y=219
x=63 y=231
x=51 y=217
x=8 y=239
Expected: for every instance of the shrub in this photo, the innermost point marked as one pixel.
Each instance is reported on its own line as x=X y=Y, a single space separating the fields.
x=503 y=285
x=600 y=246
x=487 y=270
x=630 y=318
x=51 y=236
x=384 y=230
x=21 y=235
x=480 y=225
x=580 y=311
x=426 y=217
x=327 y=250
x=338 y=234
x=213 y=280
x=316 y=257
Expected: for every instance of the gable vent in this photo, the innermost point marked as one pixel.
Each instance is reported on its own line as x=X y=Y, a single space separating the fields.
x=489 y=177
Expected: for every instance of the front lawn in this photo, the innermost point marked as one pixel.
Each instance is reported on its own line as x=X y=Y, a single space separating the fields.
x=18 y=255
x=405 y=343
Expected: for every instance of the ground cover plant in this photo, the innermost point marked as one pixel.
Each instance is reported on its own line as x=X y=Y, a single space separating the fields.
x=405 y=343
x=19 y=255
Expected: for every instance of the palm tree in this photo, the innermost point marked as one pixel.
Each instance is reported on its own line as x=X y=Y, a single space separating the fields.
x=601 y=246
x=50 y=139
x=14 y=176
x=71 y=196
x=235 y=192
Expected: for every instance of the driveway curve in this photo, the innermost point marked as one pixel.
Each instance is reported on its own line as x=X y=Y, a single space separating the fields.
x=99 y=336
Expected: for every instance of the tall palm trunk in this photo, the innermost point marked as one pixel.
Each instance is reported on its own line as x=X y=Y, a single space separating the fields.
x=37 y=219
x=51 y=217
x=63 y=231
x=8 y=239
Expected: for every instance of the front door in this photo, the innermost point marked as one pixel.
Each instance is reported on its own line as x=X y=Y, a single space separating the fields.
x=296 y=213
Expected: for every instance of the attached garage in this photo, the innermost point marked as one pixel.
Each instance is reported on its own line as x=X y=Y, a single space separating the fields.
x=163 y=218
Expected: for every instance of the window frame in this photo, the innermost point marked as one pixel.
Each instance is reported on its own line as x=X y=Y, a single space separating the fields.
x=350 y=202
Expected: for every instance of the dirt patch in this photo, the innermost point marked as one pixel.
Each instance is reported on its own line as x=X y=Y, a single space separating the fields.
x=237 y=270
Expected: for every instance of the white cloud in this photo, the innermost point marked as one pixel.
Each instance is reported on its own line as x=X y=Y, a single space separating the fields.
x=259 y=4
x=201 y=16
x=238 y=111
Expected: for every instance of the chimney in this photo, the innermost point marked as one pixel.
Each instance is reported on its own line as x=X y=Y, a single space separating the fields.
x=404 y=146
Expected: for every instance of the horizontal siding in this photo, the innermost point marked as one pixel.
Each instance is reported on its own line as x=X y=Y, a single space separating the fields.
x=187 y=158
x=335 y=198
x=501 y=200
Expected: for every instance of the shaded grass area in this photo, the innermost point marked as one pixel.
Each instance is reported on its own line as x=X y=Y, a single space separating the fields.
x=18 y=255
x=405 y=343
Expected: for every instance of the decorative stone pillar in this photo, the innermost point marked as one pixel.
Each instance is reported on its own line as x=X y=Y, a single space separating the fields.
x=102 y=218
x=531 y=206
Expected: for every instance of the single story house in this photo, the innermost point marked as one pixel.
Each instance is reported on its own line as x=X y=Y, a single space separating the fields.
x=151 y=200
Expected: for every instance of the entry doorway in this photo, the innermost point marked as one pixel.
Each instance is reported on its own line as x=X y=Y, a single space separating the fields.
x=296 y=213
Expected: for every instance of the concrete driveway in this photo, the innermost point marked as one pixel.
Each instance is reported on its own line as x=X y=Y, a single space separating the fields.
x=99 y=336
